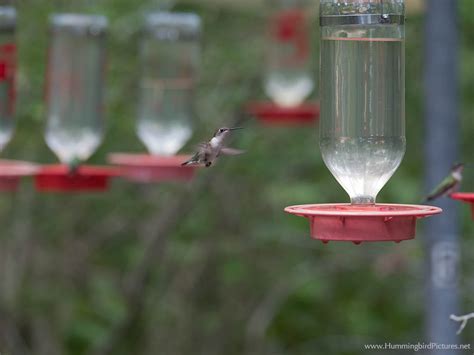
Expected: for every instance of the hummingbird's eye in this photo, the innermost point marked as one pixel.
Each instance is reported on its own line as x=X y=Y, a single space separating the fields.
x=221 y=130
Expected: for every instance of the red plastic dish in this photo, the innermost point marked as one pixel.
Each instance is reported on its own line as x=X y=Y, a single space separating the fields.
x=151 y=168
x=58 y=178
x=362 y=223
x=12 y=170
x=466 y=197
x=269 y=113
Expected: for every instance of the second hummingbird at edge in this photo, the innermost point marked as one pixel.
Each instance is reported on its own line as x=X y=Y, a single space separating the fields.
x=449 y=185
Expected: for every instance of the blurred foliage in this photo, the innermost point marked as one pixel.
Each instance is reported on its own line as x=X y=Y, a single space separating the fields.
x=236 y=275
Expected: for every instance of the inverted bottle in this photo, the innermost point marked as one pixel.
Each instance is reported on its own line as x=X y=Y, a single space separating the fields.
x=288 y=78
x=170 y=55
x=74 y=85
x=362 y=130
x=7 y=73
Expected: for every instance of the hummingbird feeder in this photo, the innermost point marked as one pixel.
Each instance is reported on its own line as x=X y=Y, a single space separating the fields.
x=287 y=73
x=170 y=53
x=362 y=129
x=466 y=197
x=74 y=96
x=10 y=170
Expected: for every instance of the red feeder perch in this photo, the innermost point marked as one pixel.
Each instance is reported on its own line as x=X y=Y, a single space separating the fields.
x=151 y=168
x=59 y=178
x=11 y=171
x=272 y=114
x=362 y=223
x=466 y=197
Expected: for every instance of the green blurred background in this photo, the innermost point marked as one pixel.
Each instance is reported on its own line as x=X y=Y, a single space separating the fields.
x=213 y=266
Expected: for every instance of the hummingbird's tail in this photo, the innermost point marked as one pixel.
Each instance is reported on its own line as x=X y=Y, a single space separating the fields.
x=191 y=161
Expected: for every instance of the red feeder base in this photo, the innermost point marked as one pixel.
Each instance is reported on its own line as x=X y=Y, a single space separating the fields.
x=359 y=223
x=12 y=170
x=58 y=178
x=271 y=114
x=466 y=197
x=146 y=168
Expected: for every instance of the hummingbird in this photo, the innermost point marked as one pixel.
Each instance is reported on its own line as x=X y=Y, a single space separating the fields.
x=208 y=152
x=449 y=184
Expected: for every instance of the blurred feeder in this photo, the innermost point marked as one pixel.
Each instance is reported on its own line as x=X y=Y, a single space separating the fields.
x=288 y=78
x=287 y=72
x=170 y=56
x=8 y=63
x=271 y=114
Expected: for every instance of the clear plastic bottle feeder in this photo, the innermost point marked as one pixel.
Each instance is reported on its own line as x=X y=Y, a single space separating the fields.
x=288 y=78
x=362 y=128
x=10 y=170
x=170 y=56
x=74 y=95
x=467 y=197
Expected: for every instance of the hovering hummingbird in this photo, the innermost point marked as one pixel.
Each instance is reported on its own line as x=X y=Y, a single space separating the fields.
x=449 y=184
x=208 y=152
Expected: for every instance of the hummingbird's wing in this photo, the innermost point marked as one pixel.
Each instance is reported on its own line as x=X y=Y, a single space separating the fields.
x=230 y=151
x=192 y=161
x=204 y=148
x=443 y=188
x=204 y=151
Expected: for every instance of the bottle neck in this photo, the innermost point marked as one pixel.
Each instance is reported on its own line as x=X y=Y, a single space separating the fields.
x=363 y=200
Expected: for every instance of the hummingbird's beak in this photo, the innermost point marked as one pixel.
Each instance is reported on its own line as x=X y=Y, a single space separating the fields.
x=235 y=128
